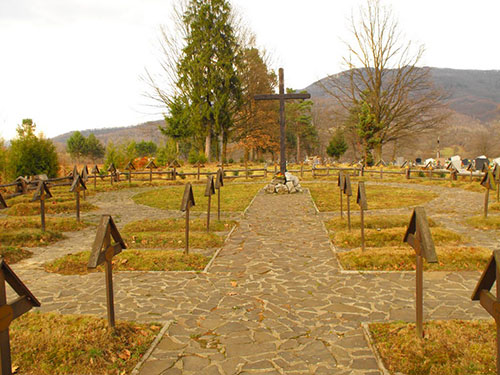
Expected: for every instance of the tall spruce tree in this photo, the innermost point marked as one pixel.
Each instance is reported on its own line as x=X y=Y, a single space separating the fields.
x=207 y=71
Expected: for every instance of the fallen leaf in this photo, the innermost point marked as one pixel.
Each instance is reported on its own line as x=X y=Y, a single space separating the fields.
x=234 y=283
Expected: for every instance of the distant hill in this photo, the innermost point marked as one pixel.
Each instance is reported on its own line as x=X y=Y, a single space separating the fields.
x=147 y=131
x=474 y=93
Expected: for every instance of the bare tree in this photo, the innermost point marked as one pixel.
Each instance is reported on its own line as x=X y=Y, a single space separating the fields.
x=382 y=71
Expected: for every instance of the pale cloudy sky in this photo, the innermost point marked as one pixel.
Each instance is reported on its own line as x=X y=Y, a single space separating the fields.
x=76 y=64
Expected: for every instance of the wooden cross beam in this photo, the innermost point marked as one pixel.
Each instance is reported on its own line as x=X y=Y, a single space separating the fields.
x=282 y=97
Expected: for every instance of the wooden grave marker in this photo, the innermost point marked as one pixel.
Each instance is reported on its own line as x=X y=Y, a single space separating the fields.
x=198 y=166
x=103 y=251
x=85 y=178
x=186 y=204
x=340 y=184
x=209 y=191
x=10 y=311
x=42 y=193
x=496 y=175
x=78 y=186
x=95 y=171
x=418 y=235
x=219 y=182
x=363 y=205
x=482 y=294
x=488 y=181
x=22 y=185
x=112 y=172
x=74 y=172
x=151 y=165
x=348 y=192
x=453 y=173
x=130 y=167
x=470 y=168
x=3 y=204
x=174 y=164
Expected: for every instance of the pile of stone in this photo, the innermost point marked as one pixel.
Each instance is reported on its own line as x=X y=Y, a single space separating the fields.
x=287 y=184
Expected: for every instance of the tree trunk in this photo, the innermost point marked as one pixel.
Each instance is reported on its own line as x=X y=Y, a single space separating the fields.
x=298 y=148
x=177 y=147
x=221 y=146
x=378 y=152
x=208 y=145
x=394 y=150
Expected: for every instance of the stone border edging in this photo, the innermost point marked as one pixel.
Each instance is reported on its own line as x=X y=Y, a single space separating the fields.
x=371 y=343
x=152 y=347
x=313 y=202
x=209 y=264
x=253 y=199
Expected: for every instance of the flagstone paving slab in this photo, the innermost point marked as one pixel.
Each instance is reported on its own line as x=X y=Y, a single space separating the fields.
x=274 y=302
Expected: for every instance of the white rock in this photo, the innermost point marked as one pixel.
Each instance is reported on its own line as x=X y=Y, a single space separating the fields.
x=281 y=189
x=290 y=185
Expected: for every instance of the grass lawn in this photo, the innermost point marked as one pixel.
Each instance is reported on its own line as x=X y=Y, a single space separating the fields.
x=385 y=250
x=402 y=258
x=50 y=344
x=132 y=260
x=14 y=254
x=326 y=197
x=26 y=232
x=491 y=222
x=155 y=245
x=234 y=197
x=453 y=347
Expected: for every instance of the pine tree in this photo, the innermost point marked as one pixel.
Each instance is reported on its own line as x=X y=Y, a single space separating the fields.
x=337 y=146
x=208 y=82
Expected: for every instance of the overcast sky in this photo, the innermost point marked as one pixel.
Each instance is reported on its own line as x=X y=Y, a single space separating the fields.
x=77 y=64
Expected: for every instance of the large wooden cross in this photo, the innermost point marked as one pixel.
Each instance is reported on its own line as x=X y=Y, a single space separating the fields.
x=282 y=97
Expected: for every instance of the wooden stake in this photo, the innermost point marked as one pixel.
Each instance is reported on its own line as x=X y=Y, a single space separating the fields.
x=362 y=214
x=218 y=204
x=108 y=274
x=186 y=251
x=486 y=200
x=42 y=213
x=77 y=196
x=419 y=296
x=208 y=212
x=341 y=210
x=349 y=213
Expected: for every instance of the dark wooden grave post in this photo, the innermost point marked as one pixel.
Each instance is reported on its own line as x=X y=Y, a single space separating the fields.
x=361 y=201
x=174 y=165
x=282 y=97
x=130 y=167
x=348 y=192
x=112 y=172
x=186 y=204
x=408 y=172
x=42 y=193
x=8 y=312
x=488 y=181
x=198 y=165
x=209 y=191
x=3 y=204
x=418 y=236
x=496 y=175
x=85 y=177
x=150 y=166
x=219 y=182
x=470 y=168
x=340 y=184
x=95 y=171
x=103 y=251
x=78 y=186
x=482 y=294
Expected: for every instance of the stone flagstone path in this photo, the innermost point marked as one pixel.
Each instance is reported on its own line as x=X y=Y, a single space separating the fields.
x=274 y=302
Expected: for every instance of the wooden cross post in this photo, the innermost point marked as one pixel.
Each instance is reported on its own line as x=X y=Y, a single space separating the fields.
x=361 y=201
x=78 y=186
x=130 y=167
x=348 y=192
x=496 y=175
x=282 y=97
x=103 y=251
x=198 y=165
x=340 y=184
x=95 y=172
x=186 y=204
x=209 y=191
x=3 y=204
x=112 y=172
x=418 y=235
x=482 y=294
x=85 y=178
x=9 y=312
x=150 y=166
x=42 y=193
x=174 y=165
x=488 y=182
x=219 y=182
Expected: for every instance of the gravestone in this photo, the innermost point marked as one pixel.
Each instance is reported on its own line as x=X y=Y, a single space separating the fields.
x=348 y=192
x=151 y=165
x=130 y=167
x=95 y=171
x=219 y=182
x=418 y=235
x=340 y=184
x=103 y=251
x=363 y=205
x=174 y=164
x=78 y=186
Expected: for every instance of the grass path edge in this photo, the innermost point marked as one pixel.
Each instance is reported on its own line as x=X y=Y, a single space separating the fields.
x=371 y=344
x=212 y=260
x=152 y=347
